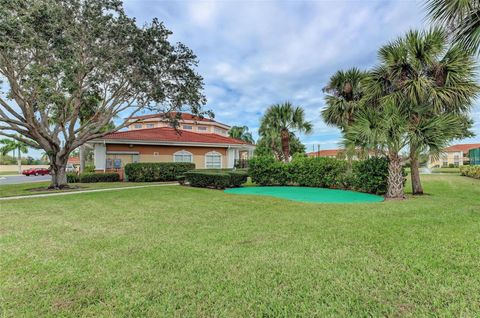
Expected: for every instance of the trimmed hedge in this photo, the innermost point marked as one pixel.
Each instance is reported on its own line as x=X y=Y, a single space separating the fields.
x=158 y=171
x=470 y=171
x=99 y=177
x=92 y=177
x=369 y=175
x=216 y=179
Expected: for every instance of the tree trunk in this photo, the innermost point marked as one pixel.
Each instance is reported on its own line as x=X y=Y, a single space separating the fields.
x=82 y=158
x=285 y=145
x=19 y=161
x=395 y=178
x=415 y=172
x=59 y=175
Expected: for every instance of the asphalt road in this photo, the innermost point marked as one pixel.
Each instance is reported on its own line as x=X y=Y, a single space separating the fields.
x=23 y=179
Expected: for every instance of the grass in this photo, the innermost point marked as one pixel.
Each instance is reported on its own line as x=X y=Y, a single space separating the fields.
x=186 y=252
x=9 y=173
x=10 y=190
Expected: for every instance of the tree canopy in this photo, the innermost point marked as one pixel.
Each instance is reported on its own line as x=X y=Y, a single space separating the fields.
x=59 y=58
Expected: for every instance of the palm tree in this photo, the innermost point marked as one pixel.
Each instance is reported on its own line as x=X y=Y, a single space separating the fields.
x=461 y=17
x=344 y=92
x=282 y=120
x=12 y=145
x=428 y=77
x=241 y=133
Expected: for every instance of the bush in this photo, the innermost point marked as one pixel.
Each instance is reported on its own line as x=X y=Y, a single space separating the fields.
x=154 y=172
x=219 y=179
x=267 y=171
x=99 y=177
x=73 y=177
x=470 y=171
x=370 y=175
x=89 y=169
x=318 y=172
x=367 y=176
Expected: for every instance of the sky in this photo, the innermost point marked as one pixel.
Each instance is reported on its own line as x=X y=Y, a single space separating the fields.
x=253 y=53
x=256 y=53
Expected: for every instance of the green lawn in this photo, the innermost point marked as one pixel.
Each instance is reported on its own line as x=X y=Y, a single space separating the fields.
x=186 y=252
x=41 y=187
x=9 y=173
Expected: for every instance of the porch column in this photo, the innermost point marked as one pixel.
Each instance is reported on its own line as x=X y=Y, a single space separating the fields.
x=99 y=156
x=230 y=157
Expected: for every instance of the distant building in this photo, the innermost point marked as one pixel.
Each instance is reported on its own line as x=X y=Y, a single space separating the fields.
x=330 y=153
x=456 y=155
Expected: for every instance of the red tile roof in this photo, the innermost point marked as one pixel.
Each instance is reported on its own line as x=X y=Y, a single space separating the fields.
x=74 y=160
x=462 y=147
x=168 y=134
x=325 y=153
x=183 y=116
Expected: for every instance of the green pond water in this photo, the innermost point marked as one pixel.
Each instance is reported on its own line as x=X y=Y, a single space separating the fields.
x=306 y=194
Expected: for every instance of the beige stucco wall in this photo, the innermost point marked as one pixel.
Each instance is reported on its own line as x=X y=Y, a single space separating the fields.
x=452 y=157
x=164 y=153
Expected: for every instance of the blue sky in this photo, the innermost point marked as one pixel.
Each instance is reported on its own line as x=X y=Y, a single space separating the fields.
x=256 y=53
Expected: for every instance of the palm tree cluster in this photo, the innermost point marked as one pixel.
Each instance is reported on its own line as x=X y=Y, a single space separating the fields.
x=280 y=122
x=241 y=133
x=12 y=145
x=418 y=96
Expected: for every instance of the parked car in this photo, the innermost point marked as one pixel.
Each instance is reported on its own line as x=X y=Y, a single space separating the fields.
x=70 y=168
x=36 y=172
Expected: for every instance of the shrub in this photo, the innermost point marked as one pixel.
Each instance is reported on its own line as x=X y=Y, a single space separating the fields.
x=73 y=177
x=181 y=179
x=159 y=171
x=218 y=179
x=470 y=171
x=99 y=177
x=268 y=171
x=370 y=175
x=89 y=169
x=318 y=172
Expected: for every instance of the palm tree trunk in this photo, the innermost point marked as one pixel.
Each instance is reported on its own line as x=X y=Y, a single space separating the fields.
x=417 y=188
x=285 y=145
x=395 y=178
x=19 y=160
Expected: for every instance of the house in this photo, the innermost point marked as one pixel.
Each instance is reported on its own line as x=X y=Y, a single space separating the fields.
x=456 y=155
x=330 y=153
x=151 y=139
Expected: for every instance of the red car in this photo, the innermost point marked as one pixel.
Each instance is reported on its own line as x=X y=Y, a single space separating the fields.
x=36 y=172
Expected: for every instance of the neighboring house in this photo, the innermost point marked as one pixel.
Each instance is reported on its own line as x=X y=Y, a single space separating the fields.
x=330 y=153
x=190 y=142
x=456 y=155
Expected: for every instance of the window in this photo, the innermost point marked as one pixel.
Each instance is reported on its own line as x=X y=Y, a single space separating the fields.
x=219 y=131
x=150 y=125
x=202 y=128
x=213 y=160
x=187 y=127
x=182 y=156
x=138 y=126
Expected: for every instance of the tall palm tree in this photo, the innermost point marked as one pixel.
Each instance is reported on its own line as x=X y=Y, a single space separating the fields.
x=428 y=77
x=343 y=94
x=281 y=120
x=461 y=17
x=14 y=145
x=241 y=133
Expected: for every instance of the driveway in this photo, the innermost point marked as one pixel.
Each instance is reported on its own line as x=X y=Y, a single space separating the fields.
x=22 y=179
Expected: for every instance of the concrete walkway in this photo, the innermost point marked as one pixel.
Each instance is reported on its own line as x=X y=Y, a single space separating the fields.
x=84 y=191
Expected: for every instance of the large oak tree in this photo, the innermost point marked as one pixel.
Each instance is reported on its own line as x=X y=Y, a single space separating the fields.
x=58 y=57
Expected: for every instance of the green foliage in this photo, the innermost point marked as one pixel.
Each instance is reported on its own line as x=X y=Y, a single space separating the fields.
x=369 y=175
x=272 y=146
x=89 y=168
x=219 y=179
x=318 y=172
x=241 y=133
x=470 y=171
x=72 y=177
x=99 y=177
x=156 y=172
